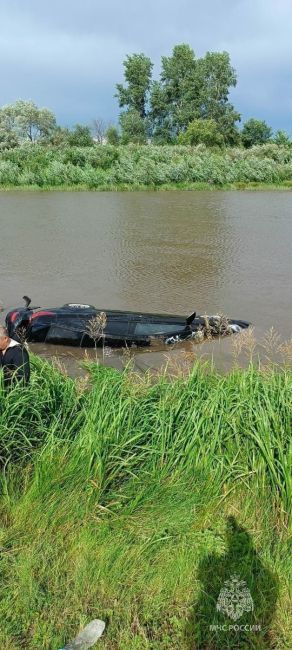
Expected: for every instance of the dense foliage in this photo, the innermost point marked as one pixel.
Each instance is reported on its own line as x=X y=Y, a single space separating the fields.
x=201 y=131
x=189 y=88
x=134 y=502
x=134 y=166
x=23 y=121
x=255 y=132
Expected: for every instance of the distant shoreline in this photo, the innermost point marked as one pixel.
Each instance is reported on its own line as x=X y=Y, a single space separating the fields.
x=195 y=187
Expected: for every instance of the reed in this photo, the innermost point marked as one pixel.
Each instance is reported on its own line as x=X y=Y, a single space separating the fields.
x=95 y=330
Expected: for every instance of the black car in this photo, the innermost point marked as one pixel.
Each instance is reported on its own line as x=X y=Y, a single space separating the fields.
x=85 y=325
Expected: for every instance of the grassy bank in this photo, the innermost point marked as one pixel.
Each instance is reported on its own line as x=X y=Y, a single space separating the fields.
x=267 y=187
x=135 y=502
x=145 y=167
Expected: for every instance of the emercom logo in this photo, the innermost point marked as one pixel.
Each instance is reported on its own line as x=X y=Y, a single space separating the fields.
x=234 y=598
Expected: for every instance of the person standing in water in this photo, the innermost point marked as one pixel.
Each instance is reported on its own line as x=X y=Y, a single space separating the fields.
x=14 y=360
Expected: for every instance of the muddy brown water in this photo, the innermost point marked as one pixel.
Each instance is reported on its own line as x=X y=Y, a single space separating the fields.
x=172 y=252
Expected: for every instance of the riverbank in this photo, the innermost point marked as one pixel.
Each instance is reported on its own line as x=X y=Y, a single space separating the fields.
x=252 y=187
x=134 y=502
x=135 y=167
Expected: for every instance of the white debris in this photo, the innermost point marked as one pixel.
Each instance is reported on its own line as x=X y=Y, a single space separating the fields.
x=235 y=328
x=87 y=637
x=173 y=339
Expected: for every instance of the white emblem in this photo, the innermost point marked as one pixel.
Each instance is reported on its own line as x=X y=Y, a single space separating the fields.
x=235 y=598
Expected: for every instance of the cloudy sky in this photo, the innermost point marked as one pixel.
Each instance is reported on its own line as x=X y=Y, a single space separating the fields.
x=67 y=54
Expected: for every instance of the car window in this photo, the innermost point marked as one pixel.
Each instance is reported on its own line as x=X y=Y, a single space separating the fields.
x=149 y=329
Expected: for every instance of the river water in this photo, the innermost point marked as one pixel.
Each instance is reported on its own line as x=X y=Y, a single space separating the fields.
x=172 y=252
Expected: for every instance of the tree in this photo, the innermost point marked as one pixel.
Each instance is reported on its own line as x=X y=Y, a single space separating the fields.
x=226 y=120
x=133 y=128
x=217 y=77
x=60 y=136
x=282 y=138
x=99 y=130
x=175 y=98
x=137 y=73
x=8 y=139
x=190 y=89
x=8 y=136
x=27 y=121
x=162 y=130
x=112 y=135
x=80 y=136
x=255 y=132
x=202 y=131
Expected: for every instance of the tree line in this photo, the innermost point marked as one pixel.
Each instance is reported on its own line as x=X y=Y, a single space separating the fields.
x=188 y=105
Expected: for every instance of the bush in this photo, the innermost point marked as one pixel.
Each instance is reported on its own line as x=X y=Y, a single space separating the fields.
x=255 y=132
x=145 y=165
x=80 y=137
x=202 y=131
x=9 y=173
x=58 y=173
x=112 y=136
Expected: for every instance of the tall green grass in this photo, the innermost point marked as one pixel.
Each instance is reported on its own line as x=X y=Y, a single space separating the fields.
x=135 y=166
x=115 y=502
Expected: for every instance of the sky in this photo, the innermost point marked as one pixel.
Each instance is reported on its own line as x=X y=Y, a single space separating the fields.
x=68 y=55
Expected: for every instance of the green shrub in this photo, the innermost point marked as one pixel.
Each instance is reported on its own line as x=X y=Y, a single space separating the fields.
x=145 y=165
x=9 y=173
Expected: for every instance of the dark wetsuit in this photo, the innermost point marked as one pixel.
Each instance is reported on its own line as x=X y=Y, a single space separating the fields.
x=15 y=365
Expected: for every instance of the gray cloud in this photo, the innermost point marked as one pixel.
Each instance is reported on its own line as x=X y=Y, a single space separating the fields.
x=68 y=55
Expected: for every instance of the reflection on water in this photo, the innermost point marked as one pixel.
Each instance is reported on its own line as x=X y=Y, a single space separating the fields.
x=153 y=251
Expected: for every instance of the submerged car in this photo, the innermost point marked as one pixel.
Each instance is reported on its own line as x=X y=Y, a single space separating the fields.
x=85 y=326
